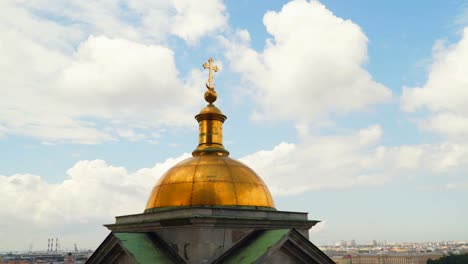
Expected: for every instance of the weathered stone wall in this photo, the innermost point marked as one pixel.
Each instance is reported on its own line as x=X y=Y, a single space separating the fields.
x=201 y=245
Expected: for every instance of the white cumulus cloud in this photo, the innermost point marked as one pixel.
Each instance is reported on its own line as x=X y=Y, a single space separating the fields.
x=313 y=65
x=117 y=78
x=355 y=160
x=322 y=162
x=115 y=81
x=90 y=196
x=445 y=92
x=106 y=84
x=89 y=72
x=193 y=20
x=136 y=20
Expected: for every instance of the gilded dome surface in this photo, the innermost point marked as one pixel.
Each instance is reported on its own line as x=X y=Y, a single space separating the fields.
x=210 y=180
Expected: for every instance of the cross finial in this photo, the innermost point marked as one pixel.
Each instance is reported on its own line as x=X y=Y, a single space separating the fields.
x=210 y=94
x=210 y=68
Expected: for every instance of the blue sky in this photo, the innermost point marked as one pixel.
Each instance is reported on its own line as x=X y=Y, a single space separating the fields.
x=352 y=111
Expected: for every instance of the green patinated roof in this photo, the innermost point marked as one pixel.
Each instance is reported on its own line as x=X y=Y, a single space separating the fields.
x=256 y=249
x=142 y=249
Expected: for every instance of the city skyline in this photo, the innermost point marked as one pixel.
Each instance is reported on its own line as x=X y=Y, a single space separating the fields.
x=337 y=245
x=354 y=112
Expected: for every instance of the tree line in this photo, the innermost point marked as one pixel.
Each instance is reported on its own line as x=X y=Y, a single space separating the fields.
x=451 y=259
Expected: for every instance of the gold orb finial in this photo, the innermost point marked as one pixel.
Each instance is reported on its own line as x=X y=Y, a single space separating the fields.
x=210 y=95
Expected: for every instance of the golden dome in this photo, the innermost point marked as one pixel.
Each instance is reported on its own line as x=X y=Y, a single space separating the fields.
x=210 y=180
x=210 y=177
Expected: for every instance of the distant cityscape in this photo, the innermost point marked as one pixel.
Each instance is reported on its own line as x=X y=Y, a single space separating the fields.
x=343 y=252
x=378 y=252
x=44 y=257
x=53 y=255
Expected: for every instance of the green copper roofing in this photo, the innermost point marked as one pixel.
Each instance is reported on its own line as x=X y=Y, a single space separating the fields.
x=142 y=248
x=256 y=249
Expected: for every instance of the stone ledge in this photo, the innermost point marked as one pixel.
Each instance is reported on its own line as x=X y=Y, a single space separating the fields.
x=207 y=217
x=212 y=212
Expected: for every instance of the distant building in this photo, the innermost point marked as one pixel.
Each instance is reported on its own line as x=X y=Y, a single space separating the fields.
x=342 y=260
x=390 y=258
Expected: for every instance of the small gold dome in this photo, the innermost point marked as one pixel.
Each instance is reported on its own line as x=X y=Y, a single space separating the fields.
x=210 y=109
x=210 y=180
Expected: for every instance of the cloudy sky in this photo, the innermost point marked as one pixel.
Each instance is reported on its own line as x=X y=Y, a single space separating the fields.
x=353 y=111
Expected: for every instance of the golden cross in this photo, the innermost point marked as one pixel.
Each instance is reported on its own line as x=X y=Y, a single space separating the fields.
x=210 y=68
